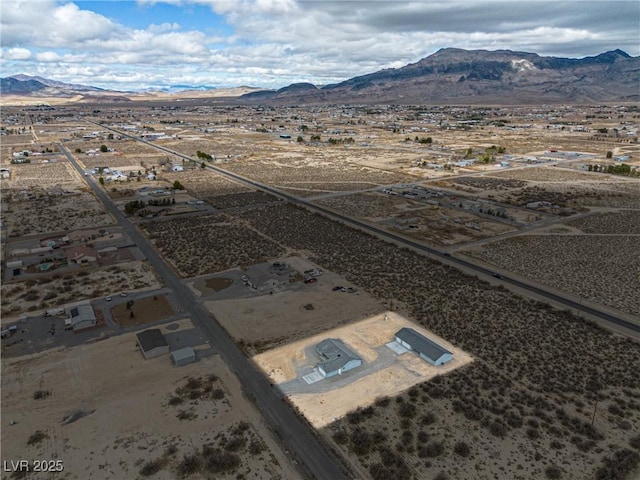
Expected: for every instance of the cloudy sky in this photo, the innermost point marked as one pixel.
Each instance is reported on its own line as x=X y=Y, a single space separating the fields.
x=134 y=45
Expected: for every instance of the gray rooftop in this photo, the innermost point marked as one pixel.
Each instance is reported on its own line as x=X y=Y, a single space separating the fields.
x=421 y=344
x=81 y=312
x=183 y=354
x=335 y=353
x=150 y=339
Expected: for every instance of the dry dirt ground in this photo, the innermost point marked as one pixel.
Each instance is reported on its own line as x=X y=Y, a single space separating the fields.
x=107 y=413
x=55 y=290
x=44 y=211
x=365 y=337
x=262 y=322
x=144 y=311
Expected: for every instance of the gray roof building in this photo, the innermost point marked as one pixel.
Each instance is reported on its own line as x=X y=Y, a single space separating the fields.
x=81 y=316
x=152 y=343
x=338 y=358
x=428 y=349
x=183 y=356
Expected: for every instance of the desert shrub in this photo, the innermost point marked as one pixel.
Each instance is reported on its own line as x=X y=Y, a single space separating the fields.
x=619 y=465
x=235 y=443
x=171 y=450
x=428 y=418
x=556 y=445
x=432 y=449
x=173 y=401
x=217 y=461
x=152 y=467
x=360 y=441
x=240 y=428
x=217 y=394
x=255 y=447
x=189 y=465
x=355 y=417
x=498 y=428
x=378 y=437
x=423 y=437
x=340 y=437
x=635 y=442
x=41 y=394
x=553 y=472
x=195 y=394
x=462 y=449
x=194 y=383
x=186 y=415
x=37 y=437
x=441 y=476
x=407 y=410
x=533 y=433
x=382 y=401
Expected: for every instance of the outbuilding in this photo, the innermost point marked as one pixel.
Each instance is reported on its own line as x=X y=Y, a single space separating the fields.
x=183 y=356
x=337 y=357
x=152 y=343
x=427 y=349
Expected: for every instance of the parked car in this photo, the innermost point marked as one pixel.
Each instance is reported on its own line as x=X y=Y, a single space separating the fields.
x=311 y=280
x=123 y=294
x=108 y=299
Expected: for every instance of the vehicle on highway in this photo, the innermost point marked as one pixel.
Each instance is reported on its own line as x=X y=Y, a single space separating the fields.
x=447 y=254
x=123 y=294
x=497 y=275
x=108 y=299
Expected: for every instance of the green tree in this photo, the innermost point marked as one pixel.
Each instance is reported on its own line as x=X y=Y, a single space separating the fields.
x=177 y=185
x=101 y=180
x=203 y=165
x=609 y=154
x=300 y=139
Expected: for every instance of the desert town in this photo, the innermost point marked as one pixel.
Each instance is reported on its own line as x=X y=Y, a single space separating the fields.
x=404 y=291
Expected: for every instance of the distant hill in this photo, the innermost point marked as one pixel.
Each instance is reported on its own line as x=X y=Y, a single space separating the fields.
x=25 y=89
x=458 y=76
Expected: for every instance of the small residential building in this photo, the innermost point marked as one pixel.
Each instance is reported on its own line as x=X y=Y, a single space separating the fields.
x=177 y=168
x=183 y=356
x=152 y=343
x=80 y=316
x=337 y=357
x=81 y=255
x=427 y=349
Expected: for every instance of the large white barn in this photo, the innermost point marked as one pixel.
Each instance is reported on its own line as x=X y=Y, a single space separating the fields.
x=427 y=349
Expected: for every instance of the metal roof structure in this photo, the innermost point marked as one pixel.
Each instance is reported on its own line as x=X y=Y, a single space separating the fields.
x=150 y=339
x=183 y=356
x=421 y=344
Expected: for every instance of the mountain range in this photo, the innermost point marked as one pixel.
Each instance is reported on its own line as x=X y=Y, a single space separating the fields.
x=449 y=76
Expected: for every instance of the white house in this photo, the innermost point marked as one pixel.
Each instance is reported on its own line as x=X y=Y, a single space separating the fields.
x=337 y=357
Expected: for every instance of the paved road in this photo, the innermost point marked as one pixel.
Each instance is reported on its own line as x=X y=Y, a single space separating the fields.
x=297 y=436
x=442 y=256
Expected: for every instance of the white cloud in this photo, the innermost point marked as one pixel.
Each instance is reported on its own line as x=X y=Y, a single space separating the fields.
x=18 y=54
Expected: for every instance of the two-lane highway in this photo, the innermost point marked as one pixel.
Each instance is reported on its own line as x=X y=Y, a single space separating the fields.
x=297 y=436
x=554 y=296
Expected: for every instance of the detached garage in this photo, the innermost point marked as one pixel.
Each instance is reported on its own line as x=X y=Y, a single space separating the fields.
x=427 y=349
x=183 y=356
x=152 y=343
